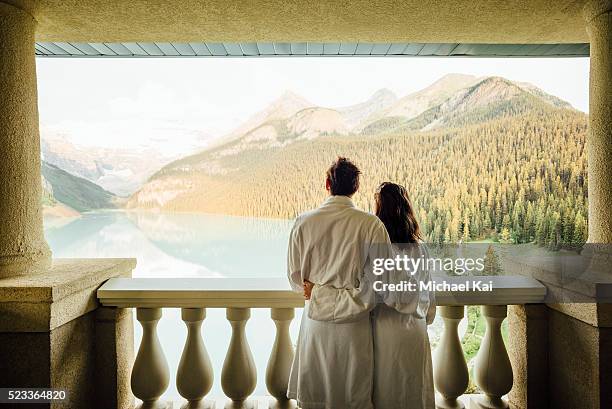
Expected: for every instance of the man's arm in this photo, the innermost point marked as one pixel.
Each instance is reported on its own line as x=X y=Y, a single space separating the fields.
x=294 y=262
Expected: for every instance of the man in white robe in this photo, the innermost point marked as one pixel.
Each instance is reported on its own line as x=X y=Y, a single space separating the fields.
x=329 y=246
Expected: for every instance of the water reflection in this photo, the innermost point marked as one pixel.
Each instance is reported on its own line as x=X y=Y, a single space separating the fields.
x=229 y=246
x=177 y=245
x=187 y=245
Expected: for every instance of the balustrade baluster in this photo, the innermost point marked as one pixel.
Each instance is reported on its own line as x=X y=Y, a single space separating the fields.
x=239 y=376
x=492 y=370
x=279 y=364
x=150 y=374
x=451 y=375
x=194 y=377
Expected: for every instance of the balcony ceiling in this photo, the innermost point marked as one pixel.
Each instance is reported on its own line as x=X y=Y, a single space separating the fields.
x=164 y=49
x=316 y=21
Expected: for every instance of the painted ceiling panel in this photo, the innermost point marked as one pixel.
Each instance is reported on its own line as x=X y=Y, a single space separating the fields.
x=263 y=49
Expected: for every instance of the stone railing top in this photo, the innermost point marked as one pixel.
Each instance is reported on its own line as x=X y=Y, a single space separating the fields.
x=65 y=277
x=276 y=293
x=199 y=292
x=48 y=299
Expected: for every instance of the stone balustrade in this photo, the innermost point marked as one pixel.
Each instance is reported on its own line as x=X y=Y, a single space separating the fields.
x=150 y=373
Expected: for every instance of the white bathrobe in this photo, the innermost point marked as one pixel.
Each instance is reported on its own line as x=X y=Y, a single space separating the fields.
x=403 y=375
x=333 y=364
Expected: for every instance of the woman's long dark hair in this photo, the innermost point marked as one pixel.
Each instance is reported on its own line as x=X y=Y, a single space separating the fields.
x=394 y=209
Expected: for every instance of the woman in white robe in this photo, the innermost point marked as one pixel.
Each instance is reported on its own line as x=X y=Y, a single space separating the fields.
x=403 y=375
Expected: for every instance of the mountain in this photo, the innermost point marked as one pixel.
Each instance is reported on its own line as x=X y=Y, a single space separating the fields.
x=482 y=100
x=122 y=169
x=285 y=106
x=355 y=115
x=537 y=92
x=118 y=170
x=313 y=122
x=291 y=118
x=459 y=128
x=79 y=194
x=418 y=102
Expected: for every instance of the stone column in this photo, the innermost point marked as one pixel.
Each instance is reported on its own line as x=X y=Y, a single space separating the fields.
x=528 y=350
x=23 y=248
x=114 y=356
x=53 y=334
x=580 y=334
x=598 y=336
x=598 y=16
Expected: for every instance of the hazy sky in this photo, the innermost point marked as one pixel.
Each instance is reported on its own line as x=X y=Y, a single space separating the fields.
x=183 y=101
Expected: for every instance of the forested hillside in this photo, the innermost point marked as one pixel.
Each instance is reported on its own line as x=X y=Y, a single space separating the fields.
x=494 y=161
x=75 y=192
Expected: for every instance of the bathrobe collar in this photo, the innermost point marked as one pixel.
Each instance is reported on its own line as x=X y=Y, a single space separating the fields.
x=343 y=201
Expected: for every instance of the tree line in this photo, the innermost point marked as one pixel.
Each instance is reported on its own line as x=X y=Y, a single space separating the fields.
x=519 y=178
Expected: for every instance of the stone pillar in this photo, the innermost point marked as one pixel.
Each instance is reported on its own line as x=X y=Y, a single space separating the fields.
x=579 y=359
x=114 y=356
x=584 y=342
x=23 y=248
x=528 y=350
x=53 y=334
x=598 y=16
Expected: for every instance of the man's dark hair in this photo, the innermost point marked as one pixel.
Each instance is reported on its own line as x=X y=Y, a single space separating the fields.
x=343 y=176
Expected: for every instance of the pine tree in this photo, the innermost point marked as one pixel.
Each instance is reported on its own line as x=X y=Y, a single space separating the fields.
x=447 y=236
x=567 y=234
x=580 y=232
x=505 y=236
x=492 y=265
x=529 y=226
x=554 y=232
x=498 y=217
x=466 y=229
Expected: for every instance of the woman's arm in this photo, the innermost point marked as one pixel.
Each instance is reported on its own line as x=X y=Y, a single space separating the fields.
x=328 y=303
x=431 y=311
